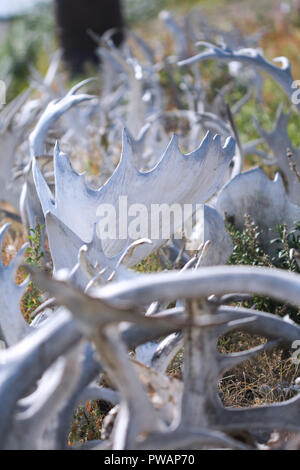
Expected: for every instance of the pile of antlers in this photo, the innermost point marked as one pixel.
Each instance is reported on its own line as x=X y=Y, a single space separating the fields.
x=98 y=309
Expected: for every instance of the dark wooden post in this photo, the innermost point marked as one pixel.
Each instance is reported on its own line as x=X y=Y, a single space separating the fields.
x=75 y=17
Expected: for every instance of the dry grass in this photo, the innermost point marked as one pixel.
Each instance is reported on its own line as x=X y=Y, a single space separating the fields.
x=258 y=381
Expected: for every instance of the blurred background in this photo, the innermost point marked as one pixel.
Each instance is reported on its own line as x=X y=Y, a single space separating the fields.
x=29 y=29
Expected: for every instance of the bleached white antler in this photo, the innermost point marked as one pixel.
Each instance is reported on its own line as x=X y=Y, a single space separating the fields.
x=282 y=75
x=252 y=190
x=200 y=343
x=165 y=184
x=114 y=303
x=49 y=408
x=29 y=203
x=12 y=132
x=54 y=110
x=210 y=227
x=13 y=327
x=285 y=154
x=23 y=365
x=177 y=32
x=34 y=425
x=135 y=76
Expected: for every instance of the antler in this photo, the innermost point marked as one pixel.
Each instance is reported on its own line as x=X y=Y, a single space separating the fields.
x=242 y=195
x=29 y=203
x=286 y=155
x=13 y=327
x=282 y=75
x=210 y=227
x=204 y=169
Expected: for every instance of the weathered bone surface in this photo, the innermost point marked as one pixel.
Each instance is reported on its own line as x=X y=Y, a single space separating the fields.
x=282 y=75
x=200 y=383
x=13 y=327
x=30 y=206
x=12 y=133
x=16 y=120
x=203 y=168
x=53 y=111
x=253 y=193
x=211 y=228
x=285 y=154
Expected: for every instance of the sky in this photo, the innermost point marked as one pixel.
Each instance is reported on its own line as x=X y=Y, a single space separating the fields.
x=14 y=7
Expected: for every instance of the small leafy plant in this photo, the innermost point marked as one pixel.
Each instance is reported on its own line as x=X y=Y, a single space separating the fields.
x=247 y=249
x=32 y=297
x=34 y=251
x=288 y=253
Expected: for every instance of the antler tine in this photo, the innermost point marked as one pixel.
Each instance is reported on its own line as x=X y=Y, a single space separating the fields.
x=267 y=325
x=20 y=368
x=280 y=416
x=12 y=324
x=229 y=361
x=53 y=390
x=53 y=111
x=177 y=32
x=282 y=76
x=80 y=85
x=136 y=414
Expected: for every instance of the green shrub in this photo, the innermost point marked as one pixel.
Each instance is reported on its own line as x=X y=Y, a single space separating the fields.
x=248 y=251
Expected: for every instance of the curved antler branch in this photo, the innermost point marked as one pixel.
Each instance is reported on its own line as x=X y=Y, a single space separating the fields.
x=282 y=75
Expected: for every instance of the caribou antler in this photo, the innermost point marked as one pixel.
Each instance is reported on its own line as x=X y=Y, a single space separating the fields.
x=29 y=203
x=13 y=327
x=242 y=195
x=203 y=325
x=200 y=382
x=210 y=227
x=282 y=75
x=285 y=154
x=204 y=169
